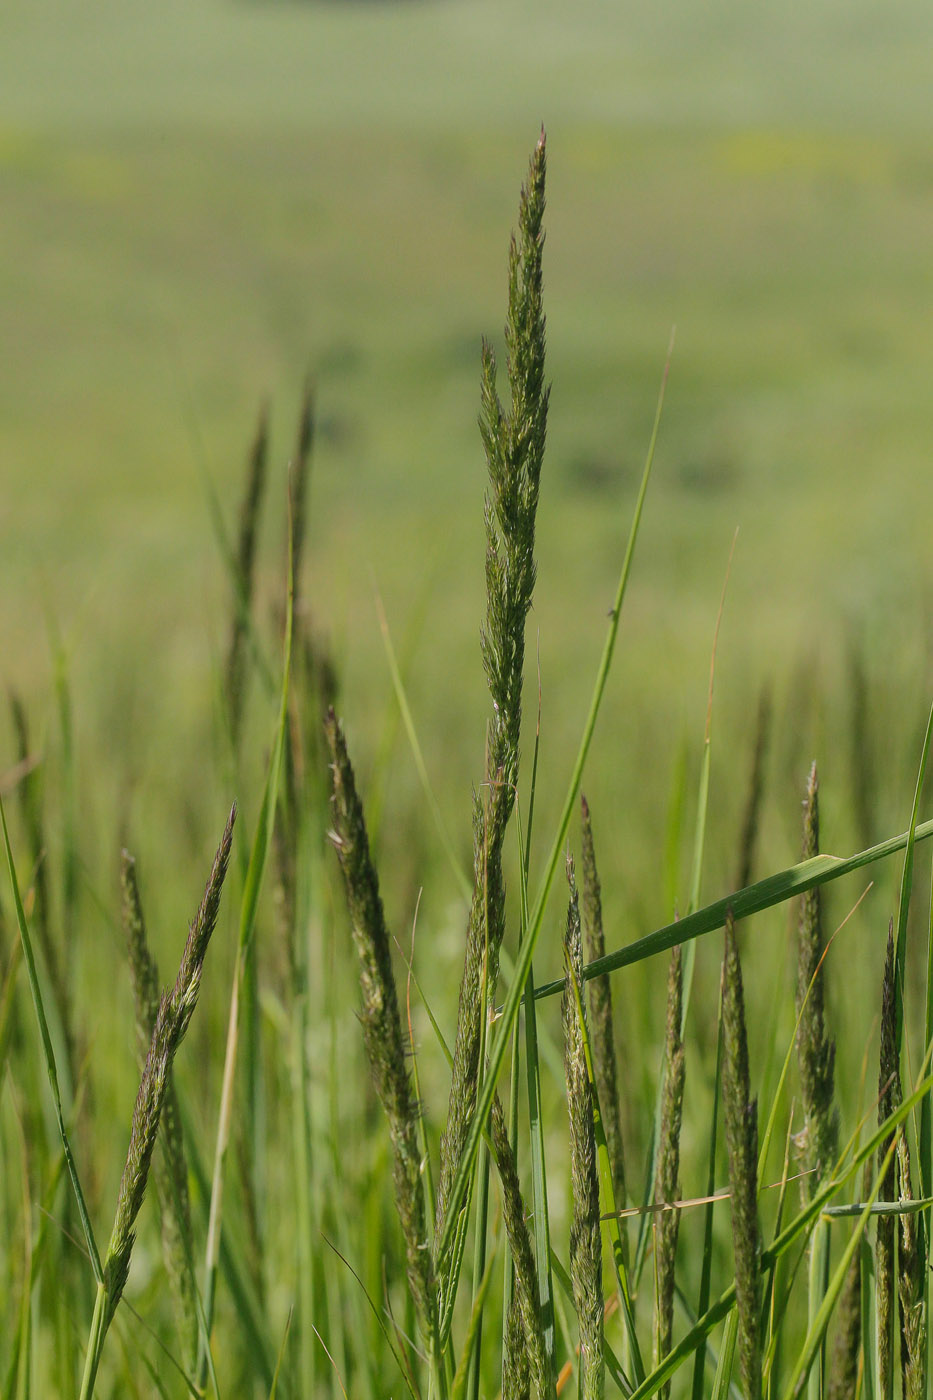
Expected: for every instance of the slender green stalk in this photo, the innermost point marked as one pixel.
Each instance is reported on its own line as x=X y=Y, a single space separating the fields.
x=249 y=905
x=49 y=1054
x=889 y=1097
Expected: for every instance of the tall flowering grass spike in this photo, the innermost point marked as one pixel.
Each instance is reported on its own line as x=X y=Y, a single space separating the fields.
x=382 y=1025
x=816 y=1052
x=667 y=1181
x=514 y=442
x=170 y=1168
x=741 y=1119
x=600 y=998
x=176 y=1008
x=585 y=1243
x=513 y=439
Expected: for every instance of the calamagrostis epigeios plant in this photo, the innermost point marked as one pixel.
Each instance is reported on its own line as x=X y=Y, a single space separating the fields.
x=176 y=1008
x=667 y=1180
x=585 y=1244
x=816 y=1052
x=602 y=1036
x=382 y=1027
x=740 y=1114
x=170 y=1170
x=513 y=438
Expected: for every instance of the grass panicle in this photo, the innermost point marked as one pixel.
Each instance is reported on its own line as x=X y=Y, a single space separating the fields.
x=470 y=1012
x=740 y=1113
x=585 y=1240
x=514 y=444
x=910 y=1271
x=667 y=1177
x=170 y=1169
x=250 y=510
x=176 y=1008
x=382 y=1026
x=816 y=1052
x=516 y=1372
x=600 y=1000
x=526 y=1273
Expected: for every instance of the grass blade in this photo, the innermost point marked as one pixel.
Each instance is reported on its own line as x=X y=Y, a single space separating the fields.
x=764 y=894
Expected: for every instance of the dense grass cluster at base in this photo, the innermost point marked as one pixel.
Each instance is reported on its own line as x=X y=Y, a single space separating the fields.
x=449 y=1200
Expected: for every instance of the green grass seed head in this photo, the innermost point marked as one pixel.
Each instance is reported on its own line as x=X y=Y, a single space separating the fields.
x=381 y=1022
x=172 y=1020
x=816 y=1052
x=740 y=1113
x=667 y=1180
x=585 y=1240
x=602 y=1034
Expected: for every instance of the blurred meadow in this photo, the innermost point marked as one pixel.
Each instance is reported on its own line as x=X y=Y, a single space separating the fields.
x=207 y=204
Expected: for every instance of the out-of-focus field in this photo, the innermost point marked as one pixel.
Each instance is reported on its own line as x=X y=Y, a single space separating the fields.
x=201 y=203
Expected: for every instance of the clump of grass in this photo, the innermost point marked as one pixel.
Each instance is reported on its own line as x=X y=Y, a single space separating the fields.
x=272 y=1251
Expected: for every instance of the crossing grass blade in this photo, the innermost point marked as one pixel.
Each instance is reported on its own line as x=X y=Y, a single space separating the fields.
x=754 y=899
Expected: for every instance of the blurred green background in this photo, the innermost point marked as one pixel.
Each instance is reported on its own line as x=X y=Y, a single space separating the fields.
x=204 y=202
